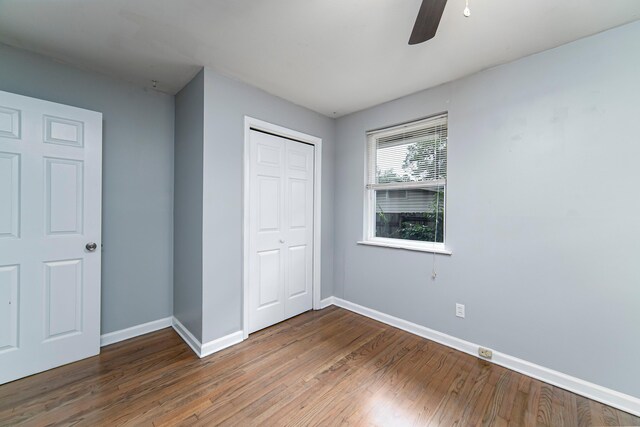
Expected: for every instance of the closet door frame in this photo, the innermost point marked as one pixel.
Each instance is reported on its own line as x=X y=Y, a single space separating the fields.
x=260 y=125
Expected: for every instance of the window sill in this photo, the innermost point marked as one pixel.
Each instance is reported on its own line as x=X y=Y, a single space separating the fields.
x=408 y=247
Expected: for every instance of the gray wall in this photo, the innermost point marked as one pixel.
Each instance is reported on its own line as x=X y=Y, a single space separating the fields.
x=187 y=211
x=137 y=203
x=227 y=101
x=546 y=274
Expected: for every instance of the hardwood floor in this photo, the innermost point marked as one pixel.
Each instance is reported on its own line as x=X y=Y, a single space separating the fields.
x=321 y=368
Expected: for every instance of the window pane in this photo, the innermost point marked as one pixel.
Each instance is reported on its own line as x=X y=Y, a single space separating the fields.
x=415 y=214
x=420 y=157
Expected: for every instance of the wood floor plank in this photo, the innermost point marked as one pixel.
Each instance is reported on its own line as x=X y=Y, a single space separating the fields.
x=625 y=419
x=475 y=397
x=433 y=395
x=328 y=367
x=383 y=388
x=533 y=399
x=346 y=377
x=362 y=408
x=293 y=370
x=493 y=406
x=584 y=412
x=545 y=405
x=570 y=409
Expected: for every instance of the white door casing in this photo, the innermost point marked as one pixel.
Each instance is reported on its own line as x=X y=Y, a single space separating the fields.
x=282 y=224
x=50 y=209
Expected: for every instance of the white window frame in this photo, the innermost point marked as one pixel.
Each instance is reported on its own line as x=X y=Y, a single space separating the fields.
x=369 y=219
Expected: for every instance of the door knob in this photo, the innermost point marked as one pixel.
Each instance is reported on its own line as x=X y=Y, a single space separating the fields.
x=91 y=246
x=281 y=240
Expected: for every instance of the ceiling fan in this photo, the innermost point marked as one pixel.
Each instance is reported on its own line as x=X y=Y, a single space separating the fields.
x=428 y=20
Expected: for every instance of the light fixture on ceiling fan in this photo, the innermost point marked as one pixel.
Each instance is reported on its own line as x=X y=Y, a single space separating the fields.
x=429 y=18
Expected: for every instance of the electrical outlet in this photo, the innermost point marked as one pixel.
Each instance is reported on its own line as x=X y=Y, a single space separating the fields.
x=460 y=310
x=485 y=352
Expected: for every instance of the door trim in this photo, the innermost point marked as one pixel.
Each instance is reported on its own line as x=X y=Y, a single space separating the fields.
x=260 y=125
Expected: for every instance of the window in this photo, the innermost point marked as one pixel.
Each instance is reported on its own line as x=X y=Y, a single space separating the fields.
x=406 y=185
x=383 y=194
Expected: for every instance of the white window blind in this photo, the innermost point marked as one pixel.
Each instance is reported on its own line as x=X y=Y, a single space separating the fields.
x=406 y=185
x=413 y=155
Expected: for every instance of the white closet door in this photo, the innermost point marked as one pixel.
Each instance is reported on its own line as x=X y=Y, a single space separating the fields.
x=298 y=221
x=50 y=217
x=281 y=229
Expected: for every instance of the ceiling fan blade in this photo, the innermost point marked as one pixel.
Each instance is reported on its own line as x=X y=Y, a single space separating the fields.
x=427 y=21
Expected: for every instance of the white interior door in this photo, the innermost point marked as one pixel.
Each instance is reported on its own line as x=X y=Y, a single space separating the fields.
x=50 y=212
x=281 y=229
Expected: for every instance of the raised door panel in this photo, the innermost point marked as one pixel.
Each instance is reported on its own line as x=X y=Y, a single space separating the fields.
x=269 y=278
x=269 y=155
x=298 y=279
x=9 y=195
x=64 y=196
x=62 y=131
x=297 y=203
x=300 y=192
x=298 y=160
x=10 y=122
x=269 y=204
x=63 y=298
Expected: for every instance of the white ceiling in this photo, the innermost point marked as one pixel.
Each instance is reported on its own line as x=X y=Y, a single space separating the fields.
x=332 y=56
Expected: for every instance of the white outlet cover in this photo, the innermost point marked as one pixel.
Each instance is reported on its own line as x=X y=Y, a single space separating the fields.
x=460 y=310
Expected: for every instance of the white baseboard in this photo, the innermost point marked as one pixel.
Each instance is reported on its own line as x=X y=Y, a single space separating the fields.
x=327 y=302
x=134 y=331
x=203 y=350
x=587 y=389
x=221 y=343
x=187 y=336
